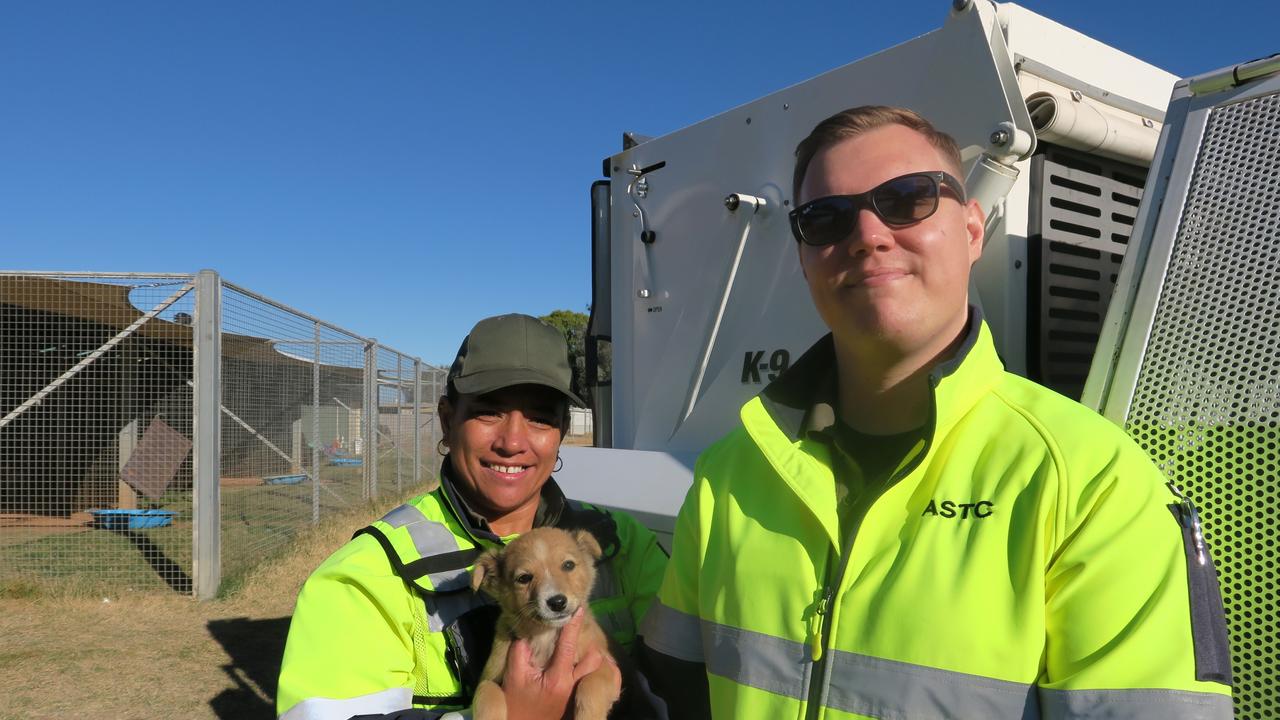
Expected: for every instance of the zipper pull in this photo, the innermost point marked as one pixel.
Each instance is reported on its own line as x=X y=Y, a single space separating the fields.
x=1197 y=531
x=1192 y=521
x=824 y=603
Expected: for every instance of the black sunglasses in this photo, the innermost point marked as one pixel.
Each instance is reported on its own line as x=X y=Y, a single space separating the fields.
x=901 y=201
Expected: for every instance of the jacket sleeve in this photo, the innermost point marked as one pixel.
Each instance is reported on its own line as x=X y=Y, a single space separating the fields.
x=643 y=566
x=1134 y=618
x=350 y=645
x=671 y=655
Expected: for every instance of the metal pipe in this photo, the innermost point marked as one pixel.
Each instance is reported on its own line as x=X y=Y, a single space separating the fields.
x=395 y=443
x=370 y=416
x=1234 y=75
x=281 y=306
x=417 y=419
x=435 y=420
x=309 y=341
x=88 y=274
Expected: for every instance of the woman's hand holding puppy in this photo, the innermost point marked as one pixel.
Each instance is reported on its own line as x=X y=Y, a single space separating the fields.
x=535 y=694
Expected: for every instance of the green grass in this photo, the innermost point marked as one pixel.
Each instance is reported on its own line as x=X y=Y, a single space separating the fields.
x=258 y=524
x=92 y=561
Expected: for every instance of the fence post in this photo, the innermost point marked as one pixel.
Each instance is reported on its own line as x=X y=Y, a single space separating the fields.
x=371 y=419
x=207 y=434
x=436 y=432
x=417 y=422
x=399 y=436
x=315 y=430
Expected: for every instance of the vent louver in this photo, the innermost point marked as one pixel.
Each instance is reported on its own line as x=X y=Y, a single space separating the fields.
x=1082 y=212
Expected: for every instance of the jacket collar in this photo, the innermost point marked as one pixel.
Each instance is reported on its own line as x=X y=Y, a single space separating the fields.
x=804 y=398
x=777 y=420
x=551 y=506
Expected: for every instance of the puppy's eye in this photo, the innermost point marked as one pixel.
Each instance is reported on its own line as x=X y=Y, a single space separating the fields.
x=524 y=578
x=569 y=565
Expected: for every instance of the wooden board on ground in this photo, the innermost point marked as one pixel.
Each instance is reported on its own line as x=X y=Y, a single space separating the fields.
x=155 y=461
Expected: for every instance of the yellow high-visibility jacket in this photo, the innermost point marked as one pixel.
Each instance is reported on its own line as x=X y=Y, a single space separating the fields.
x=1027 y=560
x=389 y=621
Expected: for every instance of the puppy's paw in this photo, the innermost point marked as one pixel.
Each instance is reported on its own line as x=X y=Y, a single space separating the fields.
x=489 y=703
x=596 y=693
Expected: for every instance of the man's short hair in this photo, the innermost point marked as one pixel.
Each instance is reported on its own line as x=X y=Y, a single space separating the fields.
x=855 y=121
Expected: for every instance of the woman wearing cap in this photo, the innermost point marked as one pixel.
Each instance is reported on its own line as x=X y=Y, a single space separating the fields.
x=389 y=627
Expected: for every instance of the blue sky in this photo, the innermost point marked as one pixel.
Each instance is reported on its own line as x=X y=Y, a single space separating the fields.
x=405 y=168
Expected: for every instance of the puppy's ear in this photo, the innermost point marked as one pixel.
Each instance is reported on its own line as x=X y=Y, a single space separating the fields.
x=486 y=570
x=587 y=542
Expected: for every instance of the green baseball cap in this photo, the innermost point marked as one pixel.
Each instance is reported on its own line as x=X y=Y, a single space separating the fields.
x=512 y=350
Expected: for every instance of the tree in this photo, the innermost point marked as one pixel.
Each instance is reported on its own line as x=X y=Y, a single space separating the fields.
x=574 y=326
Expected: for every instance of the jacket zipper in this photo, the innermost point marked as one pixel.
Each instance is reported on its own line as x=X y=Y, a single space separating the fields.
x=824 y=610
x=817 y=644
x=815 y=640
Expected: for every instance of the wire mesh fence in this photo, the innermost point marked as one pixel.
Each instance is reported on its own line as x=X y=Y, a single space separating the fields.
x=395 y=392
x=128 y=462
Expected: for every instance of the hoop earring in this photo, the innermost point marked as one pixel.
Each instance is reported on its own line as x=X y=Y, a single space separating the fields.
x=559 y=463
x=442 y=449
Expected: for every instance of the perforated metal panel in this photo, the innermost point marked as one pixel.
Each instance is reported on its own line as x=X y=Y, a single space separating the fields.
x=1082 y=213
x=1207 y=400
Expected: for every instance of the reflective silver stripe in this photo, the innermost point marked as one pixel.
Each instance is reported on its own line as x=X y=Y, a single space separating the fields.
x=877 y=687
x=858 y=683
x=450 y=580
x=444 y=610
x=755 y=659
x=403 y=515
x=1134 y=705
x=887 y=688
x=672 y=632
x=385 y=701
x=429 y=539
x=432 y=538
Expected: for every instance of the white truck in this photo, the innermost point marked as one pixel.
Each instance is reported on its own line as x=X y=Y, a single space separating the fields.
x=1132 y=260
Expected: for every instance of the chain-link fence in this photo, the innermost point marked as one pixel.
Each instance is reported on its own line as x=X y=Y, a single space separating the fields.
x=173 y=430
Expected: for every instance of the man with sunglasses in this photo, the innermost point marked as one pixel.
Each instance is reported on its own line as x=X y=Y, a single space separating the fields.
x=900 y=528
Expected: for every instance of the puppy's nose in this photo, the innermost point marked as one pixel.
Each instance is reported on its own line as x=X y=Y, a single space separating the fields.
x=557 y=602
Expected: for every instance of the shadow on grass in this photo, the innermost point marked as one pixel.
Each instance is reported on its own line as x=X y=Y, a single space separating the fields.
x=168 y=570
x=255 y=648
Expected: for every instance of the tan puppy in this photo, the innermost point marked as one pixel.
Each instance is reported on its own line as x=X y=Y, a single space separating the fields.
x=540 y=580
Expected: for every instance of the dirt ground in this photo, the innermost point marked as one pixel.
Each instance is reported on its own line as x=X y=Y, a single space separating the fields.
x=158 y=655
